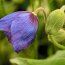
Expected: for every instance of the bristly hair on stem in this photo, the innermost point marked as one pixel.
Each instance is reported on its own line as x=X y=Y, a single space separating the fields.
x=38 y=10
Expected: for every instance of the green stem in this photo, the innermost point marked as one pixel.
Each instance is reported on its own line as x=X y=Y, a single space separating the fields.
x=40 y=2
x=56 y=43
x=32 y=4
x=38 y=10
x=3 y=9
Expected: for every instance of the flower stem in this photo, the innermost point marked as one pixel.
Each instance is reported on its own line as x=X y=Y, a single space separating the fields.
x=2 y=4
x=56 y=43
x=40 y=2
x=38 y=10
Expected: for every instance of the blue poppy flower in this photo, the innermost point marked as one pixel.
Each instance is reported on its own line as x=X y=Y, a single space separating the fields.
x=20 y=28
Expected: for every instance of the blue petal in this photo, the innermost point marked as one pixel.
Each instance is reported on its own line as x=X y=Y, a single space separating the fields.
x=5 y=23
x=23 y=30
x=20 y=28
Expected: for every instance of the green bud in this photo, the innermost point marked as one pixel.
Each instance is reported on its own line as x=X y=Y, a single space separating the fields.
x=55 y=26
x=55 y=21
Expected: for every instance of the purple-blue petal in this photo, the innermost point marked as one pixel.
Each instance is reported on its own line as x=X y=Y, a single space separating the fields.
x=5 y=23
x=20 y=28
x=23 y=30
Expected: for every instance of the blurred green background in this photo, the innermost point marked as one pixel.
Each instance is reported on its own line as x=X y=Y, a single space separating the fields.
x=41 y=48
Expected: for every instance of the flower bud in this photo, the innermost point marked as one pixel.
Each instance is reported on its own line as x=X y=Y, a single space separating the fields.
x=55 y=21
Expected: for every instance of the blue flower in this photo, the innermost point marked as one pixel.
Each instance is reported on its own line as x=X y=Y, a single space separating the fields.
x=20 y=28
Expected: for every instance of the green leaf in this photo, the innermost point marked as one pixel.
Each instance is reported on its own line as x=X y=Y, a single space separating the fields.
x=57 y=59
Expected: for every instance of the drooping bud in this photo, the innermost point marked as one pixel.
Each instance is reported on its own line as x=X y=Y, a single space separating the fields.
x=20 y=28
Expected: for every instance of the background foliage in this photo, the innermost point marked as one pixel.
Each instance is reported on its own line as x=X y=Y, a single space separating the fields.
x=41 y=51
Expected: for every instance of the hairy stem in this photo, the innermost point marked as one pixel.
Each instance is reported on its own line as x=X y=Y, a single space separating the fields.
x=38 y=10
x=56 y=43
